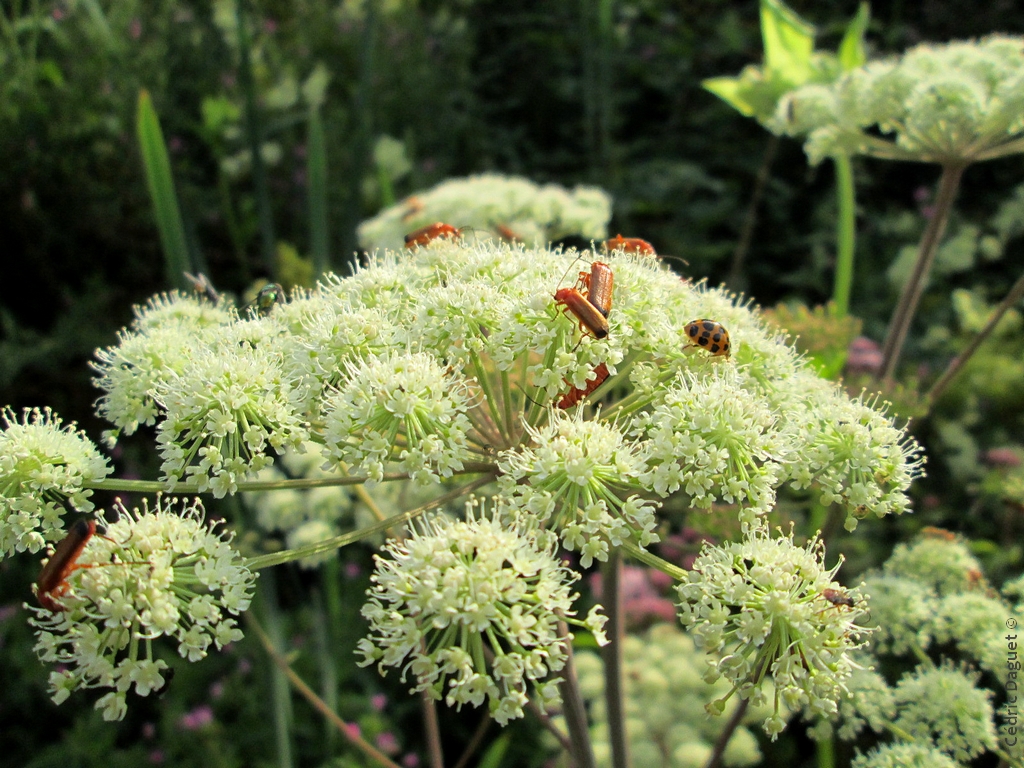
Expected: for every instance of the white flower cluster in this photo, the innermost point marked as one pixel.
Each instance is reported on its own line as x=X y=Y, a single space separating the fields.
x=456 y=591
x=152 y=573
x=453 y=357
x=766 y=609
x=665 y=697
x=574 y=469
x=932 y=591
x=404 y=404
x=959 y=102
x=508 y=208
x=43 y=466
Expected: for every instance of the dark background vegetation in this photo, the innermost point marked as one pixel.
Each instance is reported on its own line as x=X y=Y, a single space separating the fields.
x=535 y=87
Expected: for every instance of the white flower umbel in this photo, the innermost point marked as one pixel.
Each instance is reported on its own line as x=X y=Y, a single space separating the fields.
x=224 y=410
x=572 y=475
x=853 y=452
x=43 y=466
x=454 y=591
x=761 y=609
x=451 y=358
x=152 y=573
x=905 y=756
x=715 y=448
x=404 y=407
x=491 y=205
x=959 y=102
x=945 y=707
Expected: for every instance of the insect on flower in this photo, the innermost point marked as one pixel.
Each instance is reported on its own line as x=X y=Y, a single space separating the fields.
x=201 y=284
x=507 y=234
x=598 y=282
x=709 y=334
x=267 y=298
x=837 y=597
x=431 y=232
x=52 y=581
x=591 y=318
x=577 y=394
x=630 y=245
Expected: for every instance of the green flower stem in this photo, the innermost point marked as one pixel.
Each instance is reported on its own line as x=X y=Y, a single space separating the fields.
x=492 y=404
x=296 y=484
x=958 y=362
x=347 y=730
x=826 y=749
x=949 y=183
x=336 y=542
x=653 y=561
x=574 y=710
x=611 y=599
x=846 y=236
x=723 y=738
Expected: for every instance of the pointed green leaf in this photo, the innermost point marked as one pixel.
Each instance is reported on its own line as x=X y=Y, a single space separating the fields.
x=851 y=50
x=788 y=42
x=729 y=89
x=157 y=166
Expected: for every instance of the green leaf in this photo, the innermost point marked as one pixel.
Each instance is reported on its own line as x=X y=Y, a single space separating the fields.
x=496 y=752
x=788 y=42
x=851 y=49
x=729 y=89
x=161 y=191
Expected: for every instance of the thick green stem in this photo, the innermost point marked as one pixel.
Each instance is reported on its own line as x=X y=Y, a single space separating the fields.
x=846 y=235
x=296 y=484
x=902 y=317
x=611 y=599
x=348 y=730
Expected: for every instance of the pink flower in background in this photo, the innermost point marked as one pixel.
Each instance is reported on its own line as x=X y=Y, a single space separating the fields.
x=196 y=719
x=387 y=743
x=642 y=601
x=378 y=701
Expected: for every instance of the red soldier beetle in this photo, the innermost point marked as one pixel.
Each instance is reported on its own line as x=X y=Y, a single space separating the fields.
x=577 y=394
x=507 y=234
x=599 y=282
x=591 y=317
x=52 y=581
x=630 y=245
x=431 y=232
